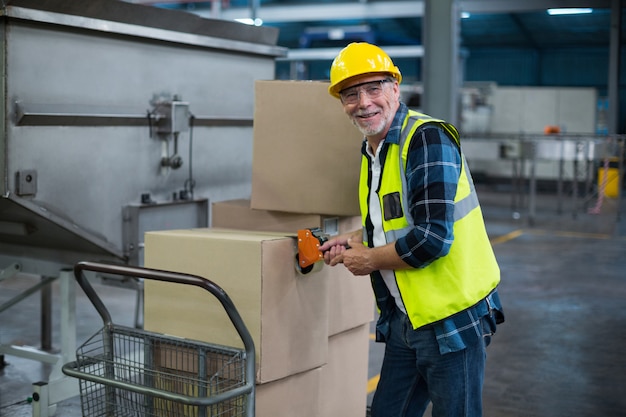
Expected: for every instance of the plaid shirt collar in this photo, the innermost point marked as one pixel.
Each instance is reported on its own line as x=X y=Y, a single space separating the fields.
x=393 y=136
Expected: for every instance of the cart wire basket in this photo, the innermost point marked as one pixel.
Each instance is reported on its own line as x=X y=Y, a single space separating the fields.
x=129 y=372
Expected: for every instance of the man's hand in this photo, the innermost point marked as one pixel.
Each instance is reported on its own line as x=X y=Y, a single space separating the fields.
x=351 y=253
x=357 y=258
x=348 y=249
x=333 y=250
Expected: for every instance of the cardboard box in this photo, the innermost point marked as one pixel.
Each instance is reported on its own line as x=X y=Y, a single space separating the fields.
x=285 y=312
x=306 y=152
x=297 y=395
x=239 y=214
x=197 y=370
x=351 y=300
x=344 y=377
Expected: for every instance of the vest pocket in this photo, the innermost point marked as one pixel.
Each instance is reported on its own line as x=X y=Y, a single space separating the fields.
x=392 y=207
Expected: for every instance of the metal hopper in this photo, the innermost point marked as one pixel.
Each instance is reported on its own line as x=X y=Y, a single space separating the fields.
x=116 y=119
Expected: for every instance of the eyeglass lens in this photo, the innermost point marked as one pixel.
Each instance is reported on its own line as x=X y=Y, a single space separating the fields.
x=372 y=90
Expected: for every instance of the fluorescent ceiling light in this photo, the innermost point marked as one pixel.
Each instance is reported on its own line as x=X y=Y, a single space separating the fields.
x=248 y=21
x=572 y=10
x=336 y=34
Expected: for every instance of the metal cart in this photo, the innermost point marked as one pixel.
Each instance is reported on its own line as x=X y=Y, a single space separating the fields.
x=125 y=371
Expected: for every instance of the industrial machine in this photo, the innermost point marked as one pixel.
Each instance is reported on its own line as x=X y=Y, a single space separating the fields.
x=115 y=119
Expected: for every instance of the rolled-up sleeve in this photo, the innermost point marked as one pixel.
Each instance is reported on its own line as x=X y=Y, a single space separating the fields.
x=433 y=170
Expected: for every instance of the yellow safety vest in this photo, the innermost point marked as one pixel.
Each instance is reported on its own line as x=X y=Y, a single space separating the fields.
x=469 y=272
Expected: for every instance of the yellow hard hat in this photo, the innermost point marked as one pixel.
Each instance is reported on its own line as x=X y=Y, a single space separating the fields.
x=359 y=58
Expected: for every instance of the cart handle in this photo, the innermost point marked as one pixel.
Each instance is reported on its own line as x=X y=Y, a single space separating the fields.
x=166 y=276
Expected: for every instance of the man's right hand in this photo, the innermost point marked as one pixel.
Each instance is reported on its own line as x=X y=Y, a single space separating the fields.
x=334 y=248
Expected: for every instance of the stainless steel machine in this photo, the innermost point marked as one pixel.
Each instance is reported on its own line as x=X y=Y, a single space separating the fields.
x=115 y=119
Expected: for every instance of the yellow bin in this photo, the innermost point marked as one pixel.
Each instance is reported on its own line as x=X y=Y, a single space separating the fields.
x=611 y=189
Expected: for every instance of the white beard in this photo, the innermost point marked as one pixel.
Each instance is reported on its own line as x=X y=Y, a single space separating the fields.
x=371 y=129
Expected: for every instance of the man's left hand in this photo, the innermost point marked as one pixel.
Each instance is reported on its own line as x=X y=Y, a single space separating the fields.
x=356 y=258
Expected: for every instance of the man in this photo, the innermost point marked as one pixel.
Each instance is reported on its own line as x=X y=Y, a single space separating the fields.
x=423 y=243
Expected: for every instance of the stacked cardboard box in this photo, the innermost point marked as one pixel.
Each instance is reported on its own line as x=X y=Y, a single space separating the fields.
x=306 y=153
x=311 y=331
x=301 y=357
x=286 y=313
x=350 y=305
x=350 y=301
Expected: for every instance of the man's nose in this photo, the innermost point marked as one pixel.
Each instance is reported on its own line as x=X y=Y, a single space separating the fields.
x=363 y=97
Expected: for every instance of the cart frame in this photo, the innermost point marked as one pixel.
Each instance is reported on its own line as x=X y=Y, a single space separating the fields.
x=106 y=376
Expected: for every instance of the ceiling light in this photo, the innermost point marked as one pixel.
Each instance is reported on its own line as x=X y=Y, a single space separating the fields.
x=251 y=22
x=336 y=34
x=465 y=15
x=572 y=10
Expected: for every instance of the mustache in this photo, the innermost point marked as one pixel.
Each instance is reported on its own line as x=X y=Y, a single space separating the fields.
x=361 y=113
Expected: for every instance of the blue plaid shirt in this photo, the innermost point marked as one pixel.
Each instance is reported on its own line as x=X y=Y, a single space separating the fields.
x=433 y=170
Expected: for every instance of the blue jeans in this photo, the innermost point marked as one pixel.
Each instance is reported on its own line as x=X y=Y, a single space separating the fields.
x=414 y=373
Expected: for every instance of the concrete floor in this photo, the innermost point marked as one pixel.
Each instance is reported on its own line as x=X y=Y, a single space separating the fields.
x=558 y=354
x=564 y=291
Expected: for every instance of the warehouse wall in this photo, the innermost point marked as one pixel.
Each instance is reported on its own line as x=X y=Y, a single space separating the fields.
x=565 y=67
x=580 y=67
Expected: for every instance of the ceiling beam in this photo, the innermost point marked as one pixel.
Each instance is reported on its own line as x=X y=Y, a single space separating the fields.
x=386 y=9
x=316 y=54
x=518 y=6
x=325 y=12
